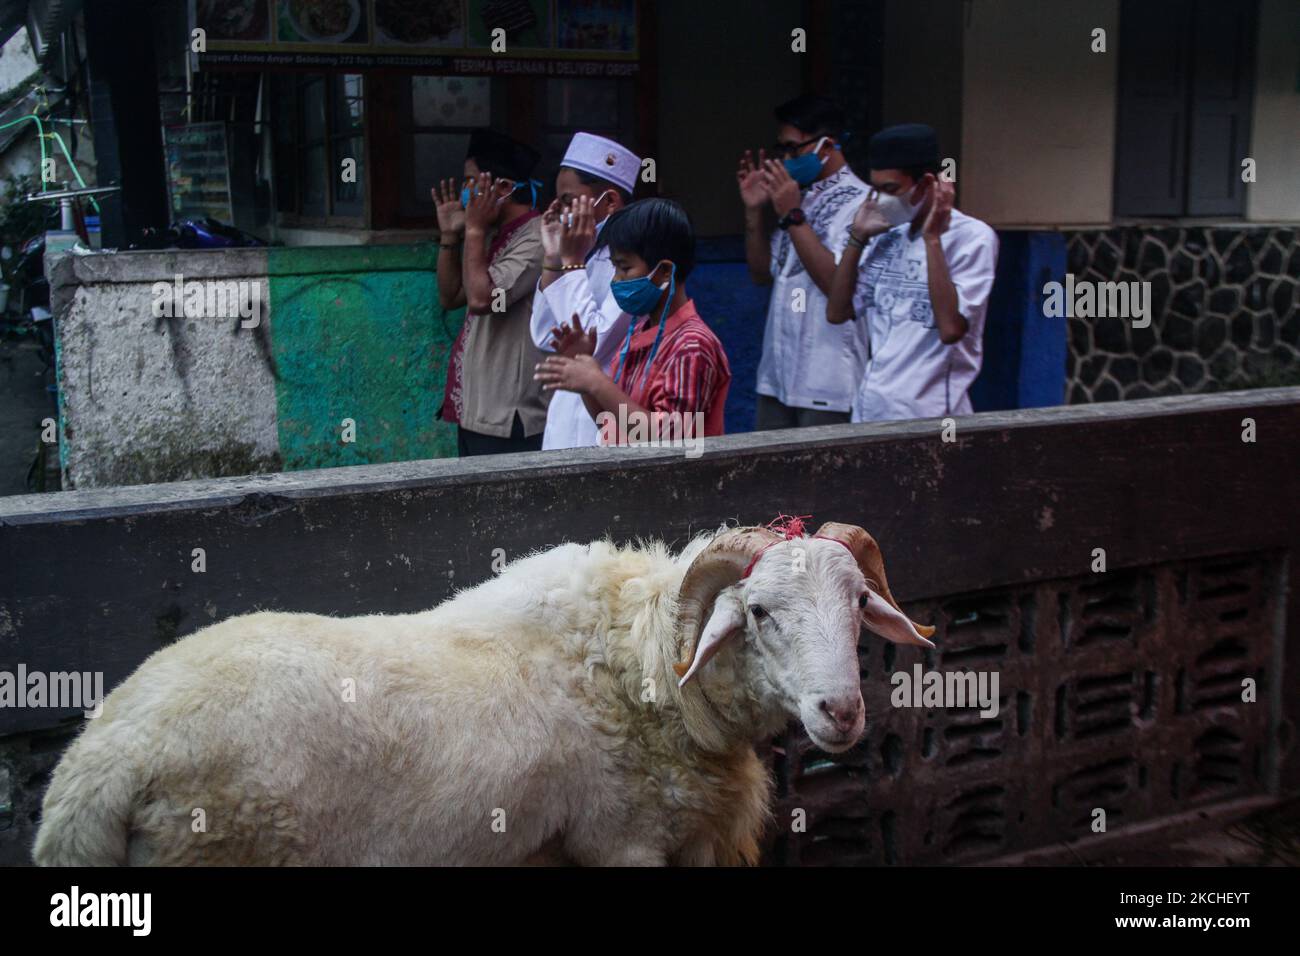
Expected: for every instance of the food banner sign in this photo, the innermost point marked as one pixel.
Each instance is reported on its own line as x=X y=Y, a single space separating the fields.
x=480 y=37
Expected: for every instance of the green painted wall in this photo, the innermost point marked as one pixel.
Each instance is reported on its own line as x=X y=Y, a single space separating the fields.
x=357 y=333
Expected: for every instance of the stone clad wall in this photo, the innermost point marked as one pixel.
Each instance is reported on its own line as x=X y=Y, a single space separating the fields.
x=1225 y=311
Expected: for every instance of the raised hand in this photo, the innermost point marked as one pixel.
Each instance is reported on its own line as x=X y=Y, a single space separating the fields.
x=940 y=214
x=870 y=219
x=749 y=177
x=781 y=187
x=579 y=235
x=484 y=206
x=572 y=340
x=552 y=231
x=446 y=203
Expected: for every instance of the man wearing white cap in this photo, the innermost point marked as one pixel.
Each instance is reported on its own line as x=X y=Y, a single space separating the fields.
x=597 y=177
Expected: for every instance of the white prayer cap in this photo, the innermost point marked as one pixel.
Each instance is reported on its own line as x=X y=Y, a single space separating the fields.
x=603 y=158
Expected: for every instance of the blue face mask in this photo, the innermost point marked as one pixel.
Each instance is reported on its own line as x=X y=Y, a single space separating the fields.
x=637 y=297
x=806 y=168
x=532 y=184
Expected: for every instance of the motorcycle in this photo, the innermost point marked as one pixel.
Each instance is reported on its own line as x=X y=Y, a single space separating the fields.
x=205 y=233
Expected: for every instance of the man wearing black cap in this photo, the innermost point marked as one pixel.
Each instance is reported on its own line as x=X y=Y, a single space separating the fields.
x=918 y=273
x=491 y=394
x=797 y=212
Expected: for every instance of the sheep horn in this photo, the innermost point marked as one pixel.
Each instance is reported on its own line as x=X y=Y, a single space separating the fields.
x=871 y=563
x=718 y=566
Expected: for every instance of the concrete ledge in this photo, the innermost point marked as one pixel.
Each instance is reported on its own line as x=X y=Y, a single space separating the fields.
x=146 y=265
x=158 y=266
x=1092 y=850
x=22 y=509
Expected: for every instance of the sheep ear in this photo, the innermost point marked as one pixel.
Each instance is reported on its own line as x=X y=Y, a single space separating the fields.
x=892 y=624
x=727 y=619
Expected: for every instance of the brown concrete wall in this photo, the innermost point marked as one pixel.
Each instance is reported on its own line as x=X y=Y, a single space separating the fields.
x=1038 y=114
x=1275 y=126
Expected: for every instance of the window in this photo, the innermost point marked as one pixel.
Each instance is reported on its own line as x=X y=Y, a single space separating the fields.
x=605 y=107
x=320 y=122
x=1185 y=96
x=414 y=130
x=439 y=112
x=348 y=141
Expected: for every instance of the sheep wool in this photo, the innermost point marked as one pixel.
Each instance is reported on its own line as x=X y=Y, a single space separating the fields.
x=535 y=718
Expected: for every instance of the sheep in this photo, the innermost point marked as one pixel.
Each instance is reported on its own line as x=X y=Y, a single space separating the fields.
x=591 y=704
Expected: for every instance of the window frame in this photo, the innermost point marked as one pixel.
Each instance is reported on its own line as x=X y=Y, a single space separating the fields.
x=1185 y=206
x=627 y=118
x=406 y=130
x=298 y=145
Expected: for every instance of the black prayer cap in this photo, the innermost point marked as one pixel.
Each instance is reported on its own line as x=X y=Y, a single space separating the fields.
x=903 y=147
x=498 y=154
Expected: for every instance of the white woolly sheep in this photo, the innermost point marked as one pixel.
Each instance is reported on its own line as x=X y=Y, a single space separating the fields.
x=538 y=717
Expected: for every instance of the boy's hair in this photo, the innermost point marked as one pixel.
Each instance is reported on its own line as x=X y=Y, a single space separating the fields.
x=503 y=157
x=654 y=229
x=587 y=179
x=815 y=115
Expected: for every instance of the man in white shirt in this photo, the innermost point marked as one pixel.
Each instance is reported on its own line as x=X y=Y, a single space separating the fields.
x=597 y=177
x=797 y=213
x=921 y=288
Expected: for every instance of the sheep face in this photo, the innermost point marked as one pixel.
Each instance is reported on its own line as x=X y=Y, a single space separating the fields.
x=799 y=604
x=802 y=608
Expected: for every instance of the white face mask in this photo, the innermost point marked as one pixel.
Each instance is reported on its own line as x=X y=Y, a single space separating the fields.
x=896 y=209
x=567 y=216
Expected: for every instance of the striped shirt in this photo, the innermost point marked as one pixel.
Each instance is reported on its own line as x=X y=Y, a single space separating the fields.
x=690 y=372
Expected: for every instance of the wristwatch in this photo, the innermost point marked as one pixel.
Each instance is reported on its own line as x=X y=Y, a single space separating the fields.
x=794 y=217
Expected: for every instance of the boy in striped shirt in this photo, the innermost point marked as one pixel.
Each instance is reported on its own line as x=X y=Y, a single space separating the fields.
x=670 y=376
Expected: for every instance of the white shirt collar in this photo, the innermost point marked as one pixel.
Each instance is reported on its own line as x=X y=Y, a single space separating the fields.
x=830 y=180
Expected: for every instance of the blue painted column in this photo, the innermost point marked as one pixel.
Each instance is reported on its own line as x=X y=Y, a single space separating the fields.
x=1024 y=351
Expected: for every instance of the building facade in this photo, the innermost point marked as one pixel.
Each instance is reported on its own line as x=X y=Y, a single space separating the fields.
x=1146 y=142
